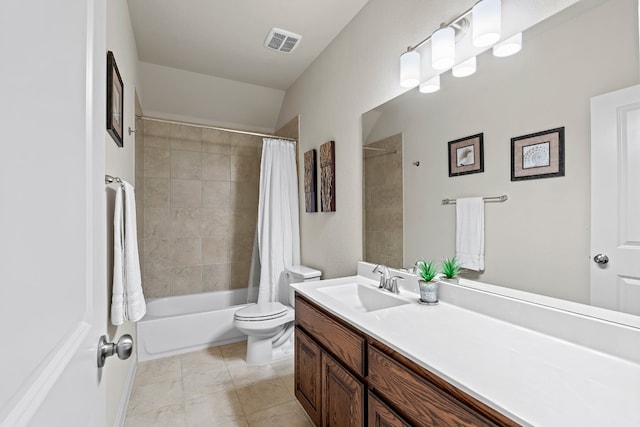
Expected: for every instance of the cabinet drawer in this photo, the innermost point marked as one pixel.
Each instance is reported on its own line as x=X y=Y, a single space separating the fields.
x=343 y=343
x=418 y=400
x=380 y=415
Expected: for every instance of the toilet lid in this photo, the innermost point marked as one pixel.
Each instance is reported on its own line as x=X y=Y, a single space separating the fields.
x=264 y=311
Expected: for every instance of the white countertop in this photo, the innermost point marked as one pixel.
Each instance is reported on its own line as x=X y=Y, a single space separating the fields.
x=532 y=377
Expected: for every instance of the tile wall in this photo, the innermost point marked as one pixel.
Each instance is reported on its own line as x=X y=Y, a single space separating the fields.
x=383 y=201
x=200 y=208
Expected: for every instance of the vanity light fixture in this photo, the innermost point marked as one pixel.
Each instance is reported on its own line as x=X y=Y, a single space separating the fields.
x=443 y=48
x=465 y=68
x=509 y=47
x=486 y=17
x=410 y=68
x=487 y=22
x=431 y=85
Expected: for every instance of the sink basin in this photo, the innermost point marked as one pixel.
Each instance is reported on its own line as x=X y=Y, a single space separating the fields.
x=362 y=298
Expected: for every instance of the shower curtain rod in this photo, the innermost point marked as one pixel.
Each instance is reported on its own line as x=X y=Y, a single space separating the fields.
x=198 y=125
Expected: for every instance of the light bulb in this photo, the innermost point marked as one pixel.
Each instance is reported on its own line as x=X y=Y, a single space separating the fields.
x=431 y=85
x=465 y=68
x=487 y=22
x=509 y=47
x=410 y=69
x=443 y=48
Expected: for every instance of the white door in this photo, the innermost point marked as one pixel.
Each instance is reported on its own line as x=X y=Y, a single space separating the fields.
x=52 y=211
x=615 y=200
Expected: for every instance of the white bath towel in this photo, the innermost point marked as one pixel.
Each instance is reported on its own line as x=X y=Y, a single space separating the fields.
x=127 y=301
x=470 y=233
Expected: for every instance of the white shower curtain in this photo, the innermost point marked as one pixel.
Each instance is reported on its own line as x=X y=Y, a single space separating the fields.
x=278 y=222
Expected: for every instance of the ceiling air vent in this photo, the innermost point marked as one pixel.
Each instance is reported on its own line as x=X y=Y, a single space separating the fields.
x=282 y=40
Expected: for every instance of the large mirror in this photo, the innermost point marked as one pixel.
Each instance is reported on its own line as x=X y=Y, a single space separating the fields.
x=539 y=239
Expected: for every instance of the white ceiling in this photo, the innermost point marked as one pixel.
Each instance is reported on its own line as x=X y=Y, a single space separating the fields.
x=224 y=38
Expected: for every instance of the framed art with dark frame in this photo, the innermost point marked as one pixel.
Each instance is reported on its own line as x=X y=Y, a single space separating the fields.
x=538 y=155
x=466 y=155
x=115 y=101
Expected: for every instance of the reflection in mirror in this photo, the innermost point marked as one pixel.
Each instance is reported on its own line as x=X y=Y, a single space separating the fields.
x=539 y=240
x=383 y=201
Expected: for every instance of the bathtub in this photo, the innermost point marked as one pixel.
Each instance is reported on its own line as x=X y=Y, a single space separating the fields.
x=181 y=324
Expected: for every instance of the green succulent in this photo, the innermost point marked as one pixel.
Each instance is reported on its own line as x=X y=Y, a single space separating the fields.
x=427 y=270
x=450 y=267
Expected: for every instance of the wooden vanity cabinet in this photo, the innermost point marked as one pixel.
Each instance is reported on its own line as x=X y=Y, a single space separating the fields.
x=329 y=368
x=345 y=378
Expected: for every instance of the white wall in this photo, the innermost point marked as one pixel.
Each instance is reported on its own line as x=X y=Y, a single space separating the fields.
x=188 y=96
x=119 y=161
x=538 y=240
x=358 y=71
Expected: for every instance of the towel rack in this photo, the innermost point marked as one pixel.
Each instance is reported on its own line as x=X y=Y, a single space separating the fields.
x=108 y=179
x=502 y=198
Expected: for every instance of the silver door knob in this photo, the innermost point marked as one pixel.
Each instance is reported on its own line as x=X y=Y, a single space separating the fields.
x=601 y=259
x=123 y=348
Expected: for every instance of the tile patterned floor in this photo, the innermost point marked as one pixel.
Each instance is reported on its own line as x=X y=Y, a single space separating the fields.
x=214 y=387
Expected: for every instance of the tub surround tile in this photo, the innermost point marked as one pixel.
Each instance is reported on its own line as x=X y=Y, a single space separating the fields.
x=216 y=194
x=156 y=192
x=156 y=222
x=244 y=196
x=186 y=222
x=156 y=251
x=216 y=141
x=216 y=277
x=186 y=164
x=186 y=193
x=151 y=141
x=245 y=168
x=245 y=145
x=156 y=163
x=198 y=184
x=216 y=250
x=186 y=251
x=239 y=275
x=186 y=280
x=216 y=167
x=216 y=222
x=156 y=281
x=156 y=129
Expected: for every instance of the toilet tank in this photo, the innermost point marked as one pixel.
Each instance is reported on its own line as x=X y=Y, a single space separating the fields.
x=298 y=274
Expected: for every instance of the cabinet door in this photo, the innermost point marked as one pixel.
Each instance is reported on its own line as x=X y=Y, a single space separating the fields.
x=342 y=396
x=307 y=374
x=380 y=415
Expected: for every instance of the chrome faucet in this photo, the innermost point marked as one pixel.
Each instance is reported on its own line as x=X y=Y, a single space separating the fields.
x=383 y=271
x=387 y=282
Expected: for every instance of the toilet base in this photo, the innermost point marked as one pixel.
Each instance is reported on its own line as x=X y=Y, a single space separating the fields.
x=260 y=351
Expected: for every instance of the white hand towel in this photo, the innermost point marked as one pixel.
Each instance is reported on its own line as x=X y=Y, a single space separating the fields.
x=128 y=299
x=470 y=233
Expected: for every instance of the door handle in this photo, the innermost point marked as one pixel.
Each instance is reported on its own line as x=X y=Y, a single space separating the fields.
x=123 y=348
x=601 y=259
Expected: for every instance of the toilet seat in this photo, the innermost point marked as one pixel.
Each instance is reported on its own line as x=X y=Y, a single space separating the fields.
x=261 y=312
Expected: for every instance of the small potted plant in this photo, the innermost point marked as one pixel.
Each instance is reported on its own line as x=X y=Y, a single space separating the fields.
x=450 y=268
x=427 y=271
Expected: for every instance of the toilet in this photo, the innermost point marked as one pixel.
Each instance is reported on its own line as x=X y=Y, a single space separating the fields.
x=269 y=326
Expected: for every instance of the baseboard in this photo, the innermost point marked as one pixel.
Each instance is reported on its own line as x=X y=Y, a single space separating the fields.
x=125 y=396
